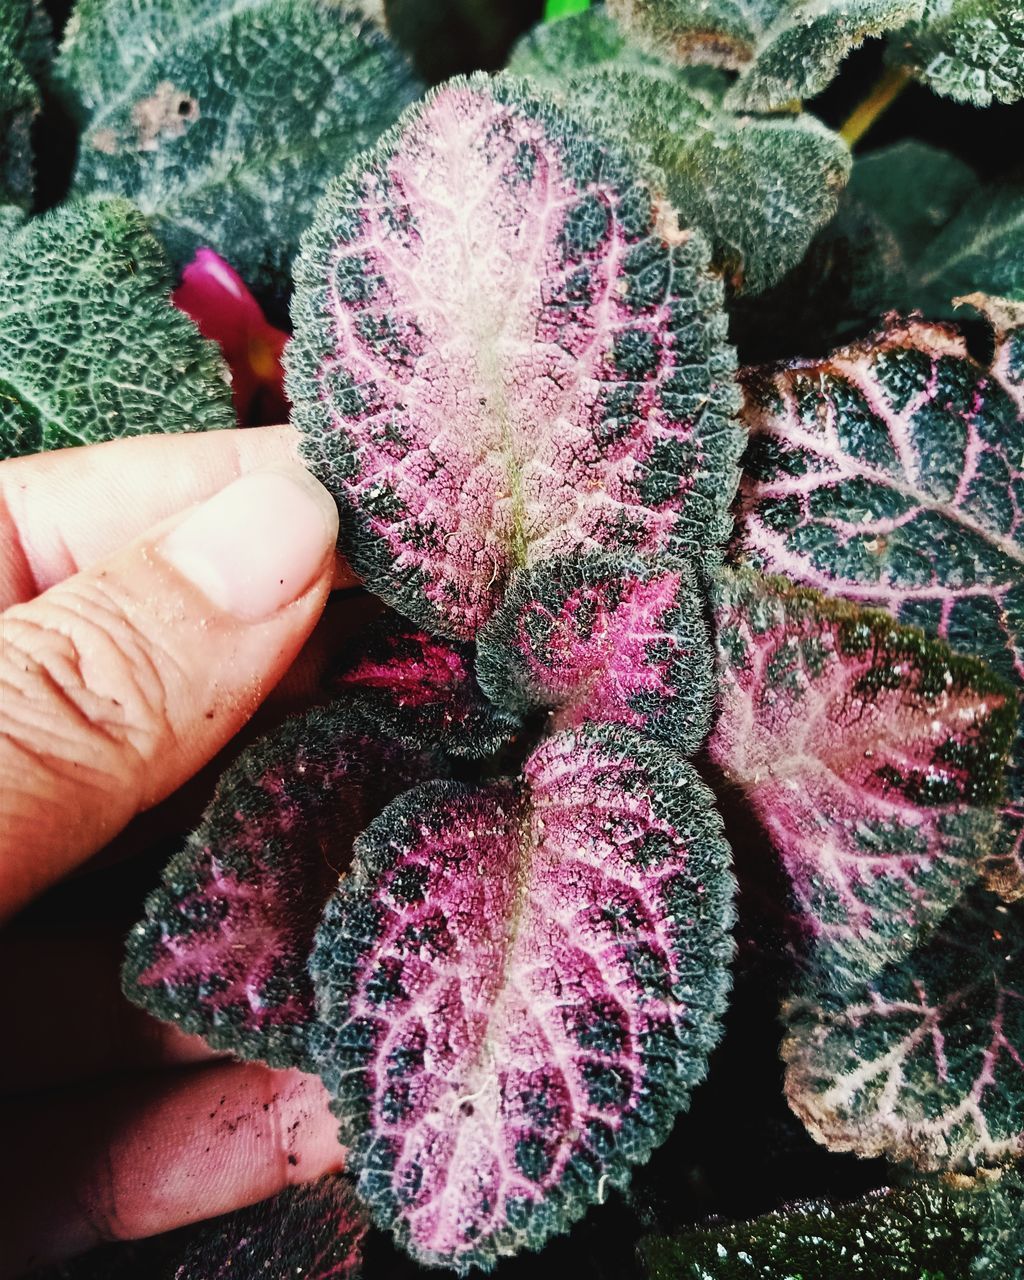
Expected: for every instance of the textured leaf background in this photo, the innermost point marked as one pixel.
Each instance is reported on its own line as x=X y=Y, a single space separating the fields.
x=99 y=353
x=866 y=751
x=758 y=187
x=604 y=639
x=888 y=473
x=223 y=949
x=525 y=982
x=506 y=350
x=224 y=123
x=925 y=1063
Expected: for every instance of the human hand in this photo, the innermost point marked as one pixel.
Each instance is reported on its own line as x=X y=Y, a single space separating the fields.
x=140 y=632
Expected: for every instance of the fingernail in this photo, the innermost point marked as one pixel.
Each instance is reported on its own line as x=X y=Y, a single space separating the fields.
x=258 y=544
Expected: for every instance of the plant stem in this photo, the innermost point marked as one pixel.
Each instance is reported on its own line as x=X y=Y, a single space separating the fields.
x=562 y=8
x=886 y=90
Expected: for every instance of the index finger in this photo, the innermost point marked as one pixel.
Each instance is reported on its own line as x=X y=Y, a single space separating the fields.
x=63 y=511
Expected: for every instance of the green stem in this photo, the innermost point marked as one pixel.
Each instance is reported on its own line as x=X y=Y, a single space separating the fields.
x=887 y=89
x=562 y=8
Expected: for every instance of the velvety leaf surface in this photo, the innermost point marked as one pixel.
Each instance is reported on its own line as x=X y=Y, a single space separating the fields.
x=969 y=50
x=865 y=750
x=505 y=350
x=924 y=1232
x=982 y=248
x=852 y=273
x=758 y=188
x=223 y=948
x=783 y=49
x=604 y=639
x=421 y=689
x=310 y=1232
x=890 y=473
x=925 y=1063
x=223 y=123
x=940 y=183
x=525 y=980
x=24 y=53
x=98 y=352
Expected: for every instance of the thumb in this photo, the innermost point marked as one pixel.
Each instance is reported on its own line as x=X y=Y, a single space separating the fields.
x=117 y=684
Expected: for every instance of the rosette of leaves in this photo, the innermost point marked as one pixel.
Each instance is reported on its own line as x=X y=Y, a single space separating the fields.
x=487 y=896
x=758 y=186
x=516 y=985
x=223 y=123
x=100 y=352
x=24 y=55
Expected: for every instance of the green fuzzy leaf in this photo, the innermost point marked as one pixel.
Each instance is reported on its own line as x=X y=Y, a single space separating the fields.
x=927 y=1231
x=784 y=50
x=981 y=249
x=24 y=54
x=11 y=218
x=758 y=188
x=98 y=352
x=874 y=257
x=939 y=185
x=867 y=752
x=889 y=473
x=847 y=280
x=925 y=1063
x=223 y=123
x=968 y=50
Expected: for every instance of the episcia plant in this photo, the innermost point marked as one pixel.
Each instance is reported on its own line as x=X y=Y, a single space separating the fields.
x=657 y=625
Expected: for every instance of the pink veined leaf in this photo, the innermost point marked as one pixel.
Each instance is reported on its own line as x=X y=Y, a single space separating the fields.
x=524 y=981
x=422 y=690
x=312 y=1232
x=868 y=753
x=506 y=349
x=604 y=639
x=926 y=1062
x=890 y=473
x=223 y=948
x=218 y=300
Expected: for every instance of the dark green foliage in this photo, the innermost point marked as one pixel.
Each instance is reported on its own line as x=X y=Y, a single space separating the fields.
x=225 y=123
x=98 y=352
x=925 y=1063
x=24 y=53
x=784 y=50
x=759 y=187
x=925 y=1232
x=970 y=50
